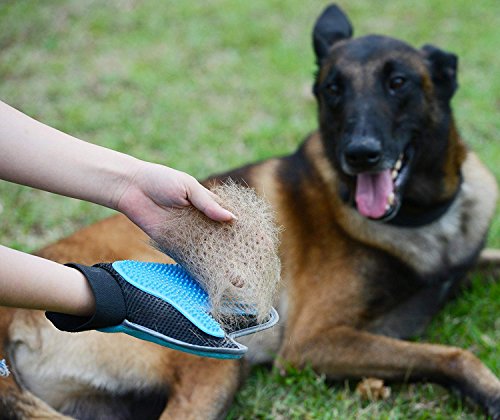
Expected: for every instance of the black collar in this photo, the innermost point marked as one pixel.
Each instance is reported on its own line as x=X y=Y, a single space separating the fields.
x=418 y=218
x=414 y=215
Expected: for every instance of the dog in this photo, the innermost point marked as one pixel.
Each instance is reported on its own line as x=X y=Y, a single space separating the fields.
x=384 y=211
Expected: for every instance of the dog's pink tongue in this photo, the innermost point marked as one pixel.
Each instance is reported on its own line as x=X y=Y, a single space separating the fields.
x=372 y=191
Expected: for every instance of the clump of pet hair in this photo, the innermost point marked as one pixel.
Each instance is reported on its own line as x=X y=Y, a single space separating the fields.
x=237 y=263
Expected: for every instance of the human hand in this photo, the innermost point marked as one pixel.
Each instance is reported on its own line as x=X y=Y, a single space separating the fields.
x=154 y=188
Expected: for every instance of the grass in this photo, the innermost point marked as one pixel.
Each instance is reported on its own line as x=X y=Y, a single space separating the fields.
x=207 y=86
x=470 y=322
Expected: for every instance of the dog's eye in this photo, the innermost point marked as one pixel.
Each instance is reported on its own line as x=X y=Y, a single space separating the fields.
x=334 y=89
x=396 y=83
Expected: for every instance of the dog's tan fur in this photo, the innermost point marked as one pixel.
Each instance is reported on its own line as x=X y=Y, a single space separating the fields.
x=334 y=316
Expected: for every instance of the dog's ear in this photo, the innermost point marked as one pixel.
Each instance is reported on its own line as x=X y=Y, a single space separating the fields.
x=332 y=26
x=443 y=68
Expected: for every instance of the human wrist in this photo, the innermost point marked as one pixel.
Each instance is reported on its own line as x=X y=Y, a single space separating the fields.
x=83 y=298
x=109 y=304
x=115 y=178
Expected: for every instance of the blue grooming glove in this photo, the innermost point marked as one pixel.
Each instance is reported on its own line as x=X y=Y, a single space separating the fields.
x=160 y=303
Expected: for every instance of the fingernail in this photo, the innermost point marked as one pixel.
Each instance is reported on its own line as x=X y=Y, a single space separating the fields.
x=233 y=217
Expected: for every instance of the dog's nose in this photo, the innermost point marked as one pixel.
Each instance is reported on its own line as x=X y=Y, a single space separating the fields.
x=363 y=154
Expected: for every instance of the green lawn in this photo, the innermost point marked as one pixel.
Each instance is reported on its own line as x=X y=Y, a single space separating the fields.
x=207 y=86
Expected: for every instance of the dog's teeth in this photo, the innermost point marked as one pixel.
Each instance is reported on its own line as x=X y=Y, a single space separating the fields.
x=390 y=199
x=394 y=174
x=398 y=165
x=387 y=207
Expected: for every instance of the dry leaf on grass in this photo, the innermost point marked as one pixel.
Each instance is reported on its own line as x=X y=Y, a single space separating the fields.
x=373 y=389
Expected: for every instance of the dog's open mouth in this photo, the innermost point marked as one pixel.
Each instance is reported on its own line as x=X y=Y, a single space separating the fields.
x=378 y=195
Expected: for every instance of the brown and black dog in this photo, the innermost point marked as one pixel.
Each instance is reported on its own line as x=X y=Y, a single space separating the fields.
x=384 y=210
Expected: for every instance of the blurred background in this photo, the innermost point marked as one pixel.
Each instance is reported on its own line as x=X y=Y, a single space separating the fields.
x=208 y=86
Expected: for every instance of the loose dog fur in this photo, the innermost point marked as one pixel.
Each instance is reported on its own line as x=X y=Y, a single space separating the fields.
x=353 y=288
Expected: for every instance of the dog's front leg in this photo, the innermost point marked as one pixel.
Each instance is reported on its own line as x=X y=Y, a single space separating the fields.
x=344 y=352
x=16 y=402
x=202 y=388
x=20 y=404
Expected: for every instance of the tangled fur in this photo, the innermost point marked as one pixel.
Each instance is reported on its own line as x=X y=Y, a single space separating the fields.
x=237 y=263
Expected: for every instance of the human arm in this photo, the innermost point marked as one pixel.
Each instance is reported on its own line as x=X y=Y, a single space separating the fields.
x=31 y=282
x=42 y=157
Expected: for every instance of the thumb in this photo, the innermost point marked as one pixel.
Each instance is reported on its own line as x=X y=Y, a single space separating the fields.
x=204 y=201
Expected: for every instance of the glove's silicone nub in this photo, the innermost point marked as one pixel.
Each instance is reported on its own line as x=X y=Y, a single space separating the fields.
x=171 y=283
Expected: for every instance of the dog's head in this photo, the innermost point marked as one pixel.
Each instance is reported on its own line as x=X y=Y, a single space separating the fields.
x=385 y=117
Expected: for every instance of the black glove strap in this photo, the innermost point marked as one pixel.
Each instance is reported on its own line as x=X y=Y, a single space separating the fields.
x=110 y=304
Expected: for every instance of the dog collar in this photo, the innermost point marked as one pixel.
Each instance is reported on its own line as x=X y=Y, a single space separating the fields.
x=424 y=216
